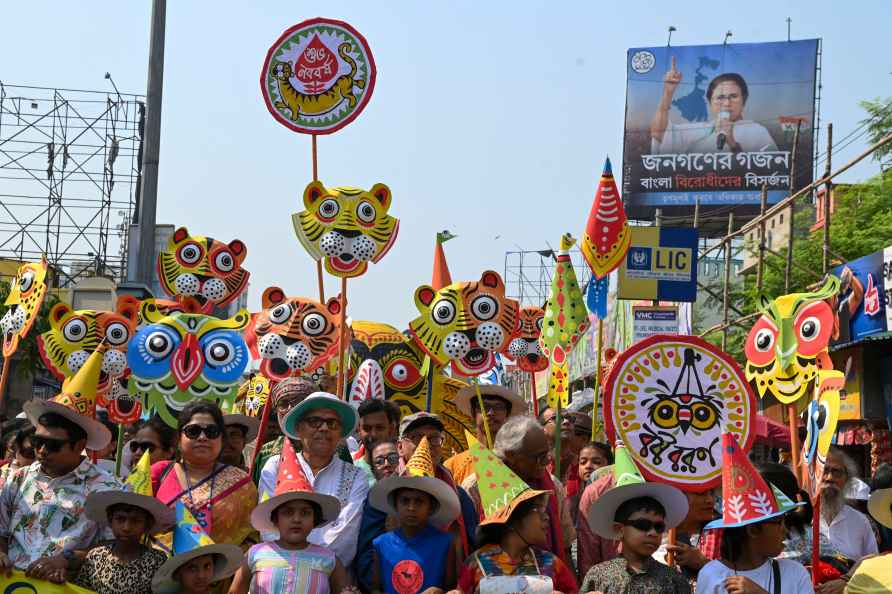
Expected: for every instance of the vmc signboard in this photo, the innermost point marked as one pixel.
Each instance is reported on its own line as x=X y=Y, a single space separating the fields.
x=661 y=264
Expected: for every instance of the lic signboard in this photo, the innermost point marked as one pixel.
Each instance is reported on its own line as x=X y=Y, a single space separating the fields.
x=661 y=264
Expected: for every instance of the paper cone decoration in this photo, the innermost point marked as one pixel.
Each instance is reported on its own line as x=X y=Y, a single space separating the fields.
x=79 y=391
x=291 y=475
x=140 y=479
x=746 y=497
x=788 y=343
x=625 y=472
x=188 y=533
x=607 y=236
x=441 y=276
x=471 y=438
x=421 y=463
x=566 y=318
x=500 y=489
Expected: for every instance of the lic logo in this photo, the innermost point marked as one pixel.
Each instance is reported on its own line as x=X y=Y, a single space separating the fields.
x=639 y=258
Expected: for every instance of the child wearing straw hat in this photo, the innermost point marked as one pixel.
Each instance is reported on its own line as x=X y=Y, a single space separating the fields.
x=511 y=556
x=198 y=563
x=637 y=513
x=419 y=555
x=290 y=564
x=753 y=520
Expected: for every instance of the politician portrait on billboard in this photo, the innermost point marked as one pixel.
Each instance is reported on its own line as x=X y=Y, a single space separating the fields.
x=715 y=123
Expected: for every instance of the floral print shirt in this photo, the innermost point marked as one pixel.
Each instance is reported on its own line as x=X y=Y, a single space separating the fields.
x=42 y=516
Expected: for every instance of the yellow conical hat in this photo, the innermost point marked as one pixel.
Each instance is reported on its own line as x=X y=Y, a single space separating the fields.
x=77 y=401
x=421 y=463
x=140 y=479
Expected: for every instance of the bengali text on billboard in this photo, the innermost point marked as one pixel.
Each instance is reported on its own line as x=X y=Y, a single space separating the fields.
x=715 y=123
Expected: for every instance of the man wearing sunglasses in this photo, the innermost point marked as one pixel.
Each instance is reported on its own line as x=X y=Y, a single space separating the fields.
x=43 y=529
x=319 y=422
x=522 y=445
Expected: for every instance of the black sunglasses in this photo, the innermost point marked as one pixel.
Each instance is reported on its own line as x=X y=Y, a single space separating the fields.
x=316 y=422
x=146 y=446
x=645 y=525
x=392 y=459
x=195 y=430
x=52 y=445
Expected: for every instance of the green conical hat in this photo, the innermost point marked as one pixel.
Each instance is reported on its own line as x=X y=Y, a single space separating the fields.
x=629 y=484
x=501 y=491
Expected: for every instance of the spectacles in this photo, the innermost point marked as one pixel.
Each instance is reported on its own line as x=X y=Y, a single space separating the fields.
x=391 y=459
x=52 y=445
x=316 y=422
x=493 y=406
x=146 y=446
x=645 y=525
x=195 y=430
x=581 y=432
x=434 y=440
x=547 y=421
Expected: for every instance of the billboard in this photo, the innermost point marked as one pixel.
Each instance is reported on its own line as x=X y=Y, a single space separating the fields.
x=648 y=320
x=715 y=123
x=865 y=285
x=661 y=264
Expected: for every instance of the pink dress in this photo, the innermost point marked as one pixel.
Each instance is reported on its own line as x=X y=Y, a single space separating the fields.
x=275 y=570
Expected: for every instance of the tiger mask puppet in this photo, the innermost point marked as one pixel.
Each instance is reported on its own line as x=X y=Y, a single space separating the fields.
x=346 y=227
x=27 y=291
x=465 y=323
x=523 y=348
x=75 y=334
x=203 y=268
x=293 y=335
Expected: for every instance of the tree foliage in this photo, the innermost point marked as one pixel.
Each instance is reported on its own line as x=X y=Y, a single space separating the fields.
x=879 y=124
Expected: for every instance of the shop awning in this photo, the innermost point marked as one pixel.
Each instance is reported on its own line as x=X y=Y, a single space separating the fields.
x=772 y=433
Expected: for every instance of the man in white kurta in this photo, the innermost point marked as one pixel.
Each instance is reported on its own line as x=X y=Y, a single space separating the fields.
x=319 y=422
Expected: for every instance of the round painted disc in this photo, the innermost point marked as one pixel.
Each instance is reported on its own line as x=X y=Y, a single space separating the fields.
x=318 y=76
x=669 y=399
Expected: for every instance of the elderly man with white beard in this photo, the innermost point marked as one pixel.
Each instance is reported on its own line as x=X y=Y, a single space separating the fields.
x=847 y=529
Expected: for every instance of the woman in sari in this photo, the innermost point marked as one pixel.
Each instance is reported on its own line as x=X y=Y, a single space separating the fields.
x=221 y=497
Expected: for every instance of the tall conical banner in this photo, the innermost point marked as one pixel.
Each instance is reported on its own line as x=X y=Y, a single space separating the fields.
x=607 y=236
x=566 y=319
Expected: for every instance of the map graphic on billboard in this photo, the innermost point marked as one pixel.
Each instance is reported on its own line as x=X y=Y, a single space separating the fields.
x=716 y=123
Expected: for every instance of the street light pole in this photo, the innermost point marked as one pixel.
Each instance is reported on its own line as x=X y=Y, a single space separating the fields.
x=151 y=145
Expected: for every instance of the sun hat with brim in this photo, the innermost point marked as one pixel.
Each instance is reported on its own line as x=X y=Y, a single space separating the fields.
x=98 y=502
x=420 y=477
x=316 y=401
x=629 y=484
x=414 y=420
x=190 y=542
x=747 y=498
x=252 y=424
x=501 y=490
x=77 y=402
x=879 y=504
x=292 y=485
x=468 y=394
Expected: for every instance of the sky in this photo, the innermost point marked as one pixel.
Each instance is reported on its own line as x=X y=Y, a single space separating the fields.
x=490 y=119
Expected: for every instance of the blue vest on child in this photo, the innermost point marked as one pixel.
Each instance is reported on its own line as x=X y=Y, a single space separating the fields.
x=411 y=565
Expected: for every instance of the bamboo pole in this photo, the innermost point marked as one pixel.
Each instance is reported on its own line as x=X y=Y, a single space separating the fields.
x=791 y=228
x=726 y=290
x=342 y=339
x=760 y=265
x=4 y=378
x=828 y=189
x=596 y=426
x=264 y=421
x=318 y=262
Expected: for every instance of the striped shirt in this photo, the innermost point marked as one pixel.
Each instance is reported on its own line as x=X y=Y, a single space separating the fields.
x=275 y=570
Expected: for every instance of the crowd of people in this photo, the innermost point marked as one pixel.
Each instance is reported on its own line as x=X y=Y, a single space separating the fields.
x=365 y=500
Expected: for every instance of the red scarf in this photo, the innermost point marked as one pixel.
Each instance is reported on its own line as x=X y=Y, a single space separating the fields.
x=556 y=539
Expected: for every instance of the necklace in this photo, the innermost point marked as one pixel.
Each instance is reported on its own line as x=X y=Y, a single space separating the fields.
x=201 y=517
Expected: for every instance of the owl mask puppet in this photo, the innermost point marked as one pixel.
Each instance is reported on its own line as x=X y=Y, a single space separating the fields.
x=26 y=294
x=465 y=323
x=346 y=227
x=294 y=335
x=203 y=269
x=183 y=357
x=788 y=344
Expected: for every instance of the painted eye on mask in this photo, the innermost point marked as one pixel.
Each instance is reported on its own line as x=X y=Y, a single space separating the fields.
x=117 y=333
x=443 y=312
x=484 y=307
x=760 y=342
x=74 y=330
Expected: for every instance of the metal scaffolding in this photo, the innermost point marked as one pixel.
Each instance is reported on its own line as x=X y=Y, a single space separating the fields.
x=69 y=178
x=528 y=274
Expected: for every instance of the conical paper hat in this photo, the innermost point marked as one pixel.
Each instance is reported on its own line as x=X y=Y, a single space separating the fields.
x=140 y=479
x=629 y=484
x=420 y=475
x=746 y=497
x=292 y=484
x=77 y=401
x=189 y=542
x=501 y=491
